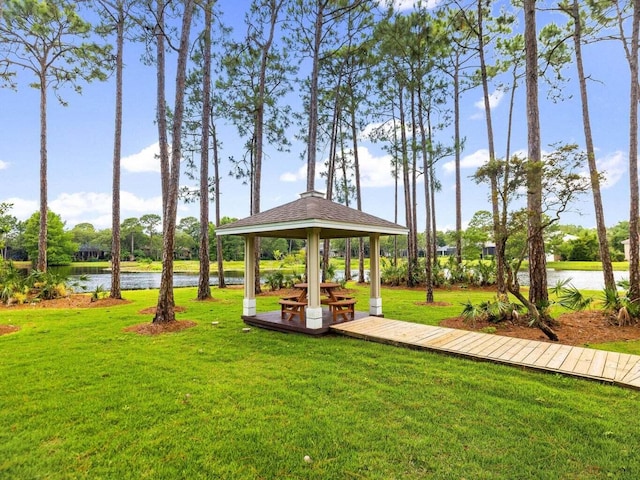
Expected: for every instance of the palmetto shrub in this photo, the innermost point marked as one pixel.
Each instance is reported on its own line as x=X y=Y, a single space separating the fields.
x=494 y=311
x=620 y=308
x=12 y=282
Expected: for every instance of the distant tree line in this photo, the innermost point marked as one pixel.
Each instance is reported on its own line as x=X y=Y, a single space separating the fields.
x=141 y=239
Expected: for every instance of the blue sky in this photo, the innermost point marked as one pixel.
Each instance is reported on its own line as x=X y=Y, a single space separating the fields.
x=80 y=138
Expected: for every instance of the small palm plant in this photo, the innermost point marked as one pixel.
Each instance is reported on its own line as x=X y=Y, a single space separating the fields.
x=471 y=312
x=494 y=311
x=570 y=297
x=99 y=293
x=621 y=309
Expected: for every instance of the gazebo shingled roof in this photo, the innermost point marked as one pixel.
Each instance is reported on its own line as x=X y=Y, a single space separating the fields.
x=311 y=210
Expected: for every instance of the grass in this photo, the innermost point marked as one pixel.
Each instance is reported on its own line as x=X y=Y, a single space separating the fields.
x=590 y=266
x=83 y=399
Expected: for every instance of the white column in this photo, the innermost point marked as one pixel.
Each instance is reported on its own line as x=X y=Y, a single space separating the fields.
x=375 y=300
x=313 y=312
x=249 y=301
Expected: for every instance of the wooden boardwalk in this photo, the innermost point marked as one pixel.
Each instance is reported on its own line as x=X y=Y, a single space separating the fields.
x=611 y=367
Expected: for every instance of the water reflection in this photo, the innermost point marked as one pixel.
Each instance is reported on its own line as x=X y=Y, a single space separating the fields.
x=581 y=279
x=99 y=277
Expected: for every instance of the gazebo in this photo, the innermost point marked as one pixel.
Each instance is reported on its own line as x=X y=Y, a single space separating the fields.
x=311 y=217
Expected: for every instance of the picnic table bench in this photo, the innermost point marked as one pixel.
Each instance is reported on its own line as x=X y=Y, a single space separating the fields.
x=292 y=307
x=344 y=307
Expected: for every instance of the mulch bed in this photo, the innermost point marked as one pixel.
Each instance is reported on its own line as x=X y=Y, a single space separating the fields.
x=160 y=328
x=576 y=328
x=7 y=329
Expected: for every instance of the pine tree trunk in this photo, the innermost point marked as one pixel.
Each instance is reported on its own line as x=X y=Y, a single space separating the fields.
x=605 y=256
x=204 y=289
x=407 y=190
x=495 y=208
x=538 y=294
x=427 y=198
x=313 y=97
x=216 y=181
x=165 y=310
x=458 y=147
x=42 y=235
x=356 y=166
x=117 y=152
x=634 y=241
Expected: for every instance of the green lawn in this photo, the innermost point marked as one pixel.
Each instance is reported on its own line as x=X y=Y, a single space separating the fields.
x=82 y=399
x=591 y=266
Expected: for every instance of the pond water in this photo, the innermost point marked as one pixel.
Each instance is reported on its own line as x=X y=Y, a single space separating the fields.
x=581 y=279
x=100 y=277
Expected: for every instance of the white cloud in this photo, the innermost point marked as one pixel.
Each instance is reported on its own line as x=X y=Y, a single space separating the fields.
x=95 y=207
x=3 y=165
x=474 y=160
x=146 y=160
x=22 y=209
x=494 y=100
x=74 y=205
x=300 y=174
x=374 y=171
x=614 y=167
x=132 y=203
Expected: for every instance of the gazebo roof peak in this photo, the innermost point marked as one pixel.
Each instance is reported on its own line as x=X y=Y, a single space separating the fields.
x=312 y=193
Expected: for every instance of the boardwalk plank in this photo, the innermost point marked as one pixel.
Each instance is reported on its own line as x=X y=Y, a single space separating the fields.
x=536 y=353
x=597 y=364
x=558 y=359
x=611 y=365
x=432 y=333
x=480 y=344
x=506 y=346
x=634 y=373
x=459 y=343
x=498 y=342
x=403 y=332
x=513 y=351
x=414 y=336
x=547 y=355
x=526 y=350
x=624 y=365
x=451 y=335
x=571 y=361
x=431 y=338
x=379 y=328
x=584 y=362
x=622 y=368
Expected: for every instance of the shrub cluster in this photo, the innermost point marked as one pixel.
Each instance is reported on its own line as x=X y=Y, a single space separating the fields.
x=16 y=287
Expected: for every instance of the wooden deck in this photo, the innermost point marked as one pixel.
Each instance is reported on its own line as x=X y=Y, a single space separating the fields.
x=274 y=321
x=611 y=367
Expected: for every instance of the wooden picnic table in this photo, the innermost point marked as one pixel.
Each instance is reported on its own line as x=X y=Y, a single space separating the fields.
x=339 y=305
x=326 y=287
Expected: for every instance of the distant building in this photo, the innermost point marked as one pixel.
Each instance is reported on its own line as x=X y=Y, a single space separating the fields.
x=446 y=251
x=488 y=249
x=627 y=249
x=87 y=253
